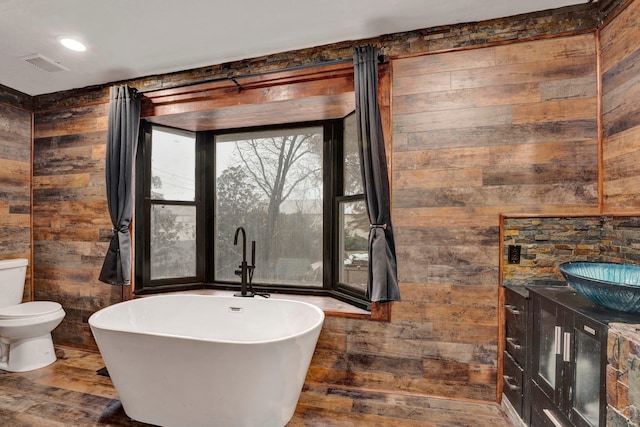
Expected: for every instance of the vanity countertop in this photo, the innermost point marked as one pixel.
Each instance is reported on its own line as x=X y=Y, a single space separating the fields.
x=568 y=297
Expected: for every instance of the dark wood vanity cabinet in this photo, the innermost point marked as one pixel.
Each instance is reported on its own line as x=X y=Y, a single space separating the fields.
x=516 y=351
x=568 y=360
x=569 y=357
x=555 y=357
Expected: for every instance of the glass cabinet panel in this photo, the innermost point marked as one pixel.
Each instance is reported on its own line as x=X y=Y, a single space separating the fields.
x=547 y=347
x=569 y=358
x=587 y=377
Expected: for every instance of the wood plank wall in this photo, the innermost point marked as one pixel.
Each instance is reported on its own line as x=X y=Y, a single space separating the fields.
x=71 y=220
x=476 y=133
x=15 y=180
x=620 y=47
x=523 y=116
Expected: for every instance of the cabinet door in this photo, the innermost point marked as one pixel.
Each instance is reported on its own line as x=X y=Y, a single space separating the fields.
x=513 y=383
x=544 y=413
x=586 y=351
x=547 y=348
x=515 y=312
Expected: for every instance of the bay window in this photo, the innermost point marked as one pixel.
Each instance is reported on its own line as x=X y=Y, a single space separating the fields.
x=295 y=188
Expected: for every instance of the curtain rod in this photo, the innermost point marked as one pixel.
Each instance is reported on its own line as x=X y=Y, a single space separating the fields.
x=241 y=76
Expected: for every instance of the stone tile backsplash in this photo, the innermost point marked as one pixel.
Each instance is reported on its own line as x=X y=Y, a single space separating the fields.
x=546 y=242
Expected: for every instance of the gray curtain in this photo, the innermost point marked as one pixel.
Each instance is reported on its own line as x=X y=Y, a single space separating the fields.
x=122 y=140
x=383 y=270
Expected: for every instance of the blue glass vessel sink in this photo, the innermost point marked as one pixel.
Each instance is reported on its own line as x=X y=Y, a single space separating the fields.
x=611 y=285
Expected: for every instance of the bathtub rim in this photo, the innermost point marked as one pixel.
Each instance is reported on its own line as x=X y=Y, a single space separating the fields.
x=93 y=318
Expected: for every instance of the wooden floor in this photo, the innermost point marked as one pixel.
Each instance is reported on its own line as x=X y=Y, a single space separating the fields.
x=70 y=393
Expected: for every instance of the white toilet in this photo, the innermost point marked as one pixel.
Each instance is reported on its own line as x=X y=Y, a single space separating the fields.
x=25 y=328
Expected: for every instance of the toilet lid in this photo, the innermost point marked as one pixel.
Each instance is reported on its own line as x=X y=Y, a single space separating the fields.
x=29 y=309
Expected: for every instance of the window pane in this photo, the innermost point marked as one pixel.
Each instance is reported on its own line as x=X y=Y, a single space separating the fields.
x=587 y=377
x=352 y=176
x=173 y=241
x=270 y=182
x=547 y=345
x=173 y=160
x=354 y=238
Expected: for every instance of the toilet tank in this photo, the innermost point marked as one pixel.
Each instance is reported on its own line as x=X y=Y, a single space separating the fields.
x=12 y=275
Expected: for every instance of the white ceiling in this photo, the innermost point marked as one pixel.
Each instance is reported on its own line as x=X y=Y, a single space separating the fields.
x=134 y=38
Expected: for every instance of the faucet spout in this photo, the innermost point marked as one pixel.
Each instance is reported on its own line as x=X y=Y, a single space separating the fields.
x=244 y=267
x=245 y=270
x=244 y=242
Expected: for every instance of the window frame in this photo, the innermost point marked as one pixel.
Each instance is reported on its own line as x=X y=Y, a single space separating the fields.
x=342 y=286
x=333 y=131
x=142 y=214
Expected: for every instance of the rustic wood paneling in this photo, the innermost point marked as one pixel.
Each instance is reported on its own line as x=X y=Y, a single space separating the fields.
x=500 y=129
x=271 y=86
x=15 y=180
x=70 y=213
x=454 y=139
x=620 y=41
x=15 y=98
x=278 y=112
x=316 y=93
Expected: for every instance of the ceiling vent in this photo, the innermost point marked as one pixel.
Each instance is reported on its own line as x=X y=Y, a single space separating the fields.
x=44 y=63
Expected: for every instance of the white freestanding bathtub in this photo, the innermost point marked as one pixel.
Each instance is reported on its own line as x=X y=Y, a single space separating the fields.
x=197 y=360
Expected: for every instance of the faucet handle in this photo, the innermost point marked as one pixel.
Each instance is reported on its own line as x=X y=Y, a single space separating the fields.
x=253 y=253
x=238 y=272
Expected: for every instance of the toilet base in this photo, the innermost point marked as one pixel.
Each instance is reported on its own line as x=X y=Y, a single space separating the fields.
x=28 y=354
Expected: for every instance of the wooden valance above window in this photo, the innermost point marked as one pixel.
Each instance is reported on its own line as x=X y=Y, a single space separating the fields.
x=300 y=95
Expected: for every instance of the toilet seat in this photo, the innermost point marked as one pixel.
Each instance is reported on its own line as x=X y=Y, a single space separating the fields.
x=29 y=309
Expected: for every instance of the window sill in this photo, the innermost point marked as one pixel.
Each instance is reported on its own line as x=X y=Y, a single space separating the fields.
x=331 y=306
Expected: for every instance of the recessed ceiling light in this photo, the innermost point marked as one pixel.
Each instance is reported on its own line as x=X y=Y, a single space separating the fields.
x=73 y=44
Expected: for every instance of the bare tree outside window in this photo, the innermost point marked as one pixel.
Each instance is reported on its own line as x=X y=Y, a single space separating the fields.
x=279 y=174
x=173 y=211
